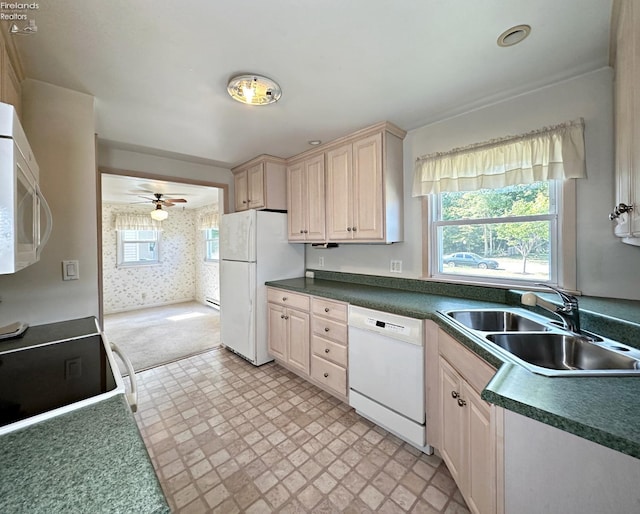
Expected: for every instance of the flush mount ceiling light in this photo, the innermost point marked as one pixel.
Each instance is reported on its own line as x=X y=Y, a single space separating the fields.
x=514 y=35
x=159 y=214
x=254 y=90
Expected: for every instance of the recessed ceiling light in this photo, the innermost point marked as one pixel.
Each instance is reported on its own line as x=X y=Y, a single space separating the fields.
x=514 y=35
x=254 y=90
x=315 y=142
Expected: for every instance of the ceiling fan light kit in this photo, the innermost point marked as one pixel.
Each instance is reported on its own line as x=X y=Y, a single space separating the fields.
x=254 y=89
x=159 y=214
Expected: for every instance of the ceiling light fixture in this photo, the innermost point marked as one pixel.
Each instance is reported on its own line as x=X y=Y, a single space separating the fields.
x=315 y=142
x=159 y=214
x=254 y=90
x=514 y=35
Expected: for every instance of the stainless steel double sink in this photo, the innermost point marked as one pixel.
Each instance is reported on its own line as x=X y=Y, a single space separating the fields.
x=544 y=347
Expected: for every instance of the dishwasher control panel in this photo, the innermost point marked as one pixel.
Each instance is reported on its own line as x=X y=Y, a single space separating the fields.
x=387 y=326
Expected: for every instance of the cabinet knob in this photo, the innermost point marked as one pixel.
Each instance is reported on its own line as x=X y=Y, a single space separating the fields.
x=306 y=231
x=244 y=201
x=326 y=350
x=620 y=209
x=326 y=329
x=326 y=309
x=354 y=229
x=348 y=229
x=454 y=394
x=286 y=317
x=284 y=298
x=461 y=402
x=302 y=231
x=281 y=316
x=326 y=375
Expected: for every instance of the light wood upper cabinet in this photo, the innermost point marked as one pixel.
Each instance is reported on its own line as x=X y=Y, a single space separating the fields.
x=357 y=198
x=364 y=188
x=627 y=119
x=306 y=199
x=260 y=184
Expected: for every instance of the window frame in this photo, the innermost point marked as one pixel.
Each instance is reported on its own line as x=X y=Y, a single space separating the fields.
x=120 y=263
x=563 y=253
x=206 y=240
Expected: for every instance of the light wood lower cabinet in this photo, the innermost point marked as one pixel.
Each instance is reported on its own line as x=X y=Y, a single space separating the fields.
x=308 y=335
x=329 y=354
x=288 y=321
x=468 y=425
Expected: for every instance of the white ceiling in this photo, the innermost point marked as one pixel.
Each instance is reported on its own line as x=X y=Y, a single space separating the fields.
x=130 y=190
x=158 y=68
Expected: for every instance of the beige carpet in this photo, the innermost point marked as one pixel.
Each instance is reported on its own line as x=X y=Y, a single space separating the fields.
x=155 y=336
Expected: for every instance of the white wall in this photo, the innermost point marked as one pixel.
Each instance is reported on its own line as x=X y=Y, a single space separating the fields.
x=173 y=280
x=605 y=266
x=59 y=124
x=154 y=165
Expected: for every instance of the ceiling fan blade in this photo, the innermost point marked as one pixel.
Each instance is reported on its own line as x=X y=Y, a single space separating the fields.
x=175 y=200
x=147 y=198
x=167 y=203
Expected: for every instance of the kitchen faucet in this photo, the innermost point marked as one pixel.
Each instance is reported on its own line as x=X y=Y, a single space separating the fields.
x=569 y=311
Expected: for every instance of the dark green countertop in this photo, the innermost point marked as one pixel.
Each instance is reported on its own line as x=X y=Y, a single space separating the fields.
x=595 y=408
x=90 y=460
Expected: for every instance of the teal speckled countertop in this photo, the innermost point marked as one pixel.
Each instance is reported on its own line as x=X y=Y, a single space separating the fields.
x=596 y=408
x=90 y=460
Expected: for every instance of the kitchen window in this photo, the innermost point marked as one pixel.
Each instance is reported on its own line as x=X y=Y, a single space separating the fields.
x=502 y=212
x=212 y=245
x=138 y=247
x=508 y=234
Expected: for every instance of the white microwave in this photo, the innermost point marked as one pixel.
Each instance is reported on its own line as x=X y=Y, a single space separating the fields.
x=25 y=217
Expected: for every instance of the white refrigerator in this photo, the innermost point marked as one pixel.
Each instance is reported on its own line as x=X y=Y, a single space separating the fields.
x=253 y=249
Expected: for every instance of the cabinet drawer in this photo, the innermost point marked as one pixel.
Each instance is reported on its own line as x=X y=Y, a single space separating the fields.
x=288 y=299
x=329 y=374
x=328 y=329
x=329 y=309
x=329 y=350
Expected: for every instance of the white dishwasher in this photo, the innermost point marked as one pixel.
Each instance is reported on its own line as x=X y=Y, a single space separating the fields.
x=386 y=372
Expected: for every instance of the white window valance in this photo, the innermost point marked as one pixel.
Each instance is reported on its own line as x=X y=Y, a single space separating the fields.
x=208 y=220
x=550 y=153
x=136 y=222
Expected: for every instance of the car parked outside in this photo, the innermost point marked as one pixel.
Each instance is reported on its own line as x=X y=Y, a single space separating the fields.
x=469 y=259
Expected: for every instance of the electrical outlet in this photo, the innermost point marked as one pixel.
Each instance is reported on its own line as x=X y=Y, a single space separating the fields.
x=396 y=267
x=320 y=262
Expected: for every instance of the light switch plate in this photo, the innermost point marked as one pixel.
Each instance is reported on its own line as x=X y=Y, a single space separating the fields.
x=70 y=270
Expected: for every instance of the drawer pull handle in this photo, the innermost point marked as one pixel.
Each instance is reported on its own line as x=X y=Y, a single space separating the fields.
x=326 y=375
x=326 y=329
x=326 y=309
x=326 y=350
x=454 y=394
x=461 y=402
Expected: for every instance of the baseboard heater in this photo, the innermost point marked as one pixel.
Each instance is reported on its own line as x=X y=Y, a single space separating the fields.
x=212 y=302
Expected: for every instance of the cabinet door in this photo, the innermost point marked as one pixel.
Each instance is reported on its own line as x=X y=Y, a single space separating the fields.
x=298 y=339
x=452 y=422
x=277 y=327
x=481 y=464
x=339 y=197
x=315 y=199
x=240 y=190
x=368 y=219
x=296 y=194
x=255 y=185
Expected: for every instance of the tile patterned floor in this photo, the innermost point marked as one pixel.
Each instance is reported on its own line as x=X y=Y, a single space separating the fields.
x=225 y=436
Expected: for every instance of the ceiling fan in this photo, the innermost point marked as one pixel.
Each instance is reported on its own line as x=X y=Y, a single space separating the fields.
x=159 y=200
